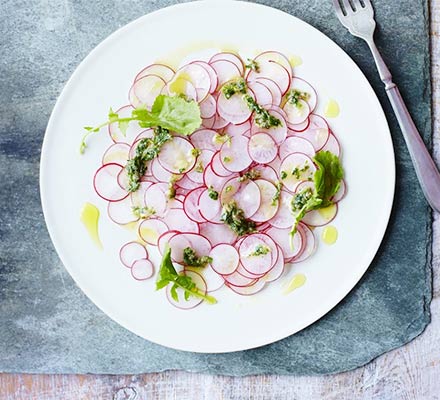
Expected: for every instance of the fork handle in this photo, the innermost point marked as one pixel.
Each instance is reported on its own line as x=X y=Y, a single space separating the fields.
x=426 y=170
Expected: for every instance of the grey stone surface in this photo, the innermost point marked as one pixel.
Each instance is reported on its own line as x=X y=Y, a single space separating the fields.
x=48 y=325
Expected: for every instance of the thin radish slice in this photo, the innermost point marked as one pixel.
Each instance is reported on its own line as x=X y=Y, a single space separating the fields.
x=198 y=76
x=133 y=128
x=295 y=168
x=179 y=242
x=116 y=153
x=234 y=155
x=234 y=110
x=266 y=172
x=274 y=71
x=150 y=230
x=256 y=262
x=273 y=88
x=159 y=172
x=213 y=280
x=275 y=56
x=248 y=290
x=106 y=182
x=238 y=130
x=204 y=158
x=225 y=70
x=208 y=107
x=164 y=239
x=178 y=220
x=132 y=251
x=237 y=280
x=275 y=164
x=283 y=218
x=121 y=212
x=219 y=122
x=246 y=194
x=225 y=259
x=229 y=57
x=142 y=269
x=147 y=133
x=340 y=194
x=241 y=270
x=309 y=242
x=283 y=240
x=138 y=197
x=305 y=87
x=322 y=216
x=262 y=148
x=181 y=86
x=317 y=132
x=145 y=90
x=209 y=209
x=218 y=233
x=156 y=198
x=277 y=270
x=261 y=92
x=296 y=113
x=268 y=206
x=208 y=123
x=186 y=183
x=204 y=139
x=332 y=145
x=217 y=166
x=304 y=185
x=177 y=155
x=278 y=133
x=192 y=301
x=296 y=144
x=295 y=129
x=211 y=179
x=163 y=71
x=212 y=74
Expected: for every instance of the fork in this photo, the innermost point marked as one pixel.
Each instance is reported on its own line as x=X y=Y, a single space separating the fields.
x=358 y=18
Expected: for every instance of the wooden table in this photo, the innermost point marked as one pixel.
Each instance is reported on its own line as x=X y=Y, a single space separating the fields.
x=410 y=372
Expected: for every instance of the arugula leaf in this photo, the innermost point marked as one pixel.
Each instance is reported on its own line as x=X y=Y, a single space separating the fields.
x=169 y=112
x=168 y=275
x=327 y=180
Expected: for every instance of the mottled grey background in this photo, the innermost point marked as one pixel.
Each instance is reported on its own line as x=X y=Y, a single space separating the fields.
x=48 y=325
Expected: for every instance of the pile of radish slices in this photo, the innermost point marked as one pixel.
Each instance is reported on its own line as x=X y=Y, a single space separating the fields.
x=229 y=144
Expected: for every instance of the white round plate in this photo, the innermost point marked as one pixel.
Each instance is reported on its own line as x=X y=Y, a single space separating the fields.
x=236 y=322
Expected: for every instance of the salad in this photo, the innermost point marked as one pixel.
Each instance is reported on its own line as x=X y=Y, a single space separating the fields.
x=224 y=168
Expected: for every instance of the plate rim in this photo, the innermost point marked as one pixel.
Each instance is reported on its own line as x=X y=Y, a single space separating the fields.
x=43 y=182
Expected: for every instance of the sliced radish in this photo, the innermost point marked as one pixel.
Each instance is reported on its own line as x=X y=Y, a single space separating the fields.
x=151 y=229
x=225 y=70
x=238 y=130
x=116 y=153
x=133 y=128
x=132 y=251
x=275 y=56
x=317 y=132
x=268 y=206
x=106 y=182
x=121 y=212
x=179 y=242
x=296 y=113
x=198 y=76
x=209 y=209
x=218 y=233
x=309 y=243
x=145 y=90
x=295 y=168
x=277 y=270
x=262 y=148
x=211 y=179
x=303 y=86
x=178 y=220
x=234 y=110
x=156 y=198
x=234 y=155
x=266 y=172
x=204 y=139
x=250 y=289
x=142 y=269
x=237 y=280
x=208 y=123
x=283 y=218
x=261 y=92
x=213 y=280
x=163 y=71
x=246 y=194
x=273 y=88
x=192 y=301
x=225 y=259
x=231 y=57
x=322 y=216
x=272 y=70
x=138 y=197
x=278 y=133
x=177 y=155
x=217 y=166
x=294 y=129
x=179 y=85
x=208 y=107
x=219 y=122
x=296 y=144
x=158 y=172
x=332 y=145
x=164 y=240
x=283 y=240
x=212 y=75
x=196 y=174
x=254 y=263
x=186 y=184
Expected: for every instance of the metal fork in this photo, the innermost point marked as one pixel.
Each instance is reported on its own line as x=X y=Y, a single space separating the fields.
x=358 y=18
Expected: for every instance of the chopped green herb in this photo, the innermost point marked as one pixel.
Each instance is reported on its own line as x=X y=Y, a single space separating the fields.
x=234 y=86
x=260 y=250
x=262 y=117
x=252 y=174
x=212 y=193
x=228 y=188
x=226 y=159
x=298 y=171
x=235 y=219
x=221 y=138
x=171 y=192
x=168 y=275
x=327 y=179
x=191 y=259
x=294 y=96
x=143 y=212
x=196 y=152
x=172 y=113
x=276 y=197
x=199 y=167
x=146 y=150
x=252 y=65
x=283 y=175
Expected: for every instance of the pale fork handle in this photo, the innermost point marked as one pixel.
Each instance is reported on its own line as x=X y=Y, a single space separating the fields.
x=426 y=170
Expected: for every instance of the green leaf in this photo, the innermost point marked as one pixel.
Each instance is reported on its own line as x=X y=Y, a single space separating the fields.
x=173 y=292
x=123 y=126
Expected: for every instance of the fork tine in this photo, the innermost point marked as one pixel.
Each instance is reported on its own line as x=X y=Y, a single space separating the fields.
x=348 y=8
x=357 y=4
x=338 y=9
